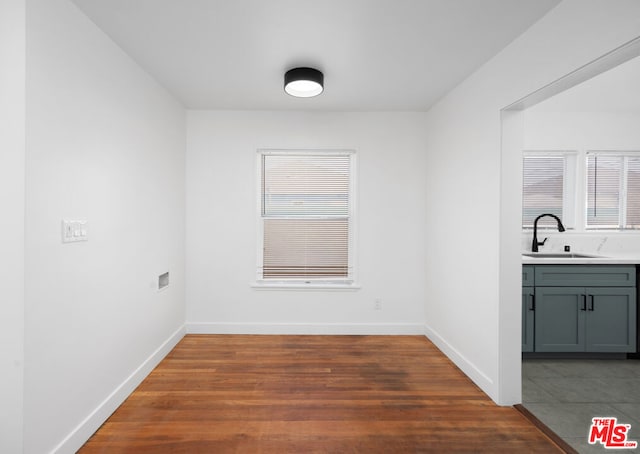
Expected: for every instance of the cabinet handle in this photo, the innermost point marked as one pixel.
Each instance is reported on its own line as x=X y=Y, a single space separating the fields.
x=532 y=306
x=584 y=303
x=591 y=303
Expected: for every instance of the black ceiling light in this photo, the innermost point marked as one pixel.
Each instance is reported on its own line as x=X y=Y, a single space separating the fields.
x=303 y=82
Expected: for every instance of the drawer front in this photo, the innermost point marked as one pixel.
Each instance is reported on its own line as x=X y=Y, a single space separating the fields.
x=585 y=275
x=527 y=275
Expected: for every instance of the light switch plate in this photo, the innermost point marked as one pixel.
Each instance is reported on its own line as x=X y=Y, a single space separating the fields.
x=74 y=230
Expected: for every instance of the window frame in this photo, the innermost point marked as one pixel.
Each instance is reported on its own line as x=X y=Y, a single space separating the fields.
x=569 y=186
x=348 y=283
x=623 y=188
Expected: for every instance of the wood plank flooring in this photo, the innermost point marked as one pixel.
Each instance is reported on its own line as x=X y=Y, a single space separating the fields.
x=312 y=394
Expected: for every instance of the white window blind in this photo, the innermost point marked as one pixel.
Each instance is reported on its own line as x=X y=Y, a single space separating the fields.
x=613 y=191
x=543 y=189
x=306 y=216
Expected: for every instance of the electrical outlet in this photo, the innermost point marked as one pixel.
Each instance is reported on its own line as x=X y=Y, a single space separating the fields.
x=377 y=304
x=74 y=230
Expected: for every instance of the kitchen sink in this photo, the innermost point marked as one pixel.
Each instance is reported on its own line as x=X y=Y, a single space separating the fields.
x=559 y=255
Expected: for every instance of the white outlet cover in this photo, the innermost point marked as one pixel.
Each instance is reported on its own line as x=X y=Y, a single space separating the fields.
x=74 y=230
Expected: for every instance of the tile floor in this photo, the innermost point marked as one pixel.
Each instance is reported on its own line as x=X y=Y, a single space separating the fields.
x=566 y=393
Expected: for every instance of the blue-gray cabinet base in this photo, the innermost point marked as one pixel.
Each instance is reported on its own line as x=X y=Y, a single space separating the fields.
x=590 y=319
x=580 y=317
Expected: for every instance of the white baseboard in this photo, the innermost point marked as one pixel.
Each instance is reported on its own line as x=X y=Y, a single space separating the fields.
x=306 y=328
x=468 y=367
x=86 y=428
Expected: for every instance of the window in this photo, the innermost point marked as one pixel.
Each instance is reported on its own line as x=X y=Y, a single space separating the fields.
x=547 y=187
x=613 y=191
x=588 y=190
x=306 y=217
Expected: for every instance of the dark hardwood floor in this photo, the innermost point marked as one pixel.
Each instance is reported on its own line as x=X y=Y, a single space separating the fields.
x=312 y=394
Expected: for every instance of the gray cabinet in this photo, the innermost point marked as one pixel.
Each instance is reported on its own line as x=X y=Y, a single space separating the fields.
x=585 y=275
x=611 y=320
x=581 y=308
x=559 y=320
x=528 y=301
x=527 y=318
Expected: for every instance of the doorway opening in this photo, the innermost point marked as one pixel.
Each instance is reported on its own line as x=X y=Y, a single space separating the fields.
x=512 y=242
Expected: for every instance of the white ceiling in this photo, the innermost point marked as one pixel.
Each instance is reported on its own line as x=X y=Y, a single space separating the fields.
x=375 y=54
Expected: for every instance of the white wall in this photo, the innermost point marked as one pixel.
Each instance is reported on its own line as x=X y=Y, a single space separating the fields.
x=104 y=143
x=581 y=130
x=470 y=312
x=222 y=210
x=12 y=156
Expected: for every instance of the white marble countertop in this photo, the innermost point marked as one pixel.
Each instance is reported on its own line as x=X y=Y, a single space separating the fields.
x=560 y=258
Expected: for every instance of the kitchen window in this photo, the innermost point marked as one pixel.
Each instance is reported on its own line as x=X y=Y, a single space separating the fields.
x=588 y=190
x=306 y=218
x=613 y=190
x=548 y=186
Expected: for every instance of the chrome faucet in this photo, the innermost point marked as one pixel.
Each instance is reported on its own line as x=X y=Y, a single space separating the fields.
x=536 y=243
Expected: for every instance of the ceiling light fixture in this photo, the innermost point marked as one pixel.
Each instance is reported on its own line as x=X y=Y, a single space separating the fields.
x=303 y=82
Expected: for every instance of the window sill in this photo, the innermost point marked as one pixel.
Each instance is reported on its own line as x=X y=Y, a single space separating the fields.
x=266 y=285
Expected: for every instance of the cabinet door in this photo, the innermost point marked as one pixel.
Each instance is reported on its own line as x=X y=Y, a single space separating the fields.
x=527 y=318
x=560 y=319
x=611 y=319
